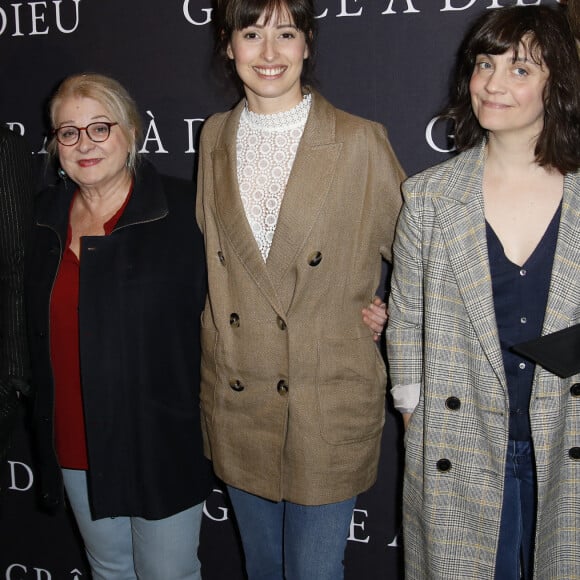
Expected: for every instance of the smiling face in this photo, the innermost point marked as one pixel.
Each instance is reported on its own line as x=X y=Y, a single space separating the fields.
x=507 y=94
x=269 y=57
x=90 y=164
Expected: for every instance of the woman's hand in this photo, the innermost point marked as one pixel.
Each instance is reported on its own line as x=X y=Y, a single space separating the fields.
x=375 y=317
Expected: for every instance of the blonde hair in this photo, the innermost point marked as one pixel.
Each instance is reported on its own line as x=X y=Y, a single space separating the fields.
x=112 y=95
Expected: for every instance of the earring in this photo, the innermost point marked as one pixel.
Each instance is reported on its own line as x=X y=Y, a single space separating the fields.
x=61 y=173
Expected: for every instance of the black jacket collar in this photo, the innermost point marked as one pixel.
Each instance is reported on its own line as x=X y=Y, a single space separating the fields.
x=147 y=201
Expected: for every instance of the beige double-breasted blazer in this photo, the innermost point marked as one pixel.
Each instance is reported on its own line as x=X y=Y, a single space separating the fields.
x=293 y=385
x=442 y=333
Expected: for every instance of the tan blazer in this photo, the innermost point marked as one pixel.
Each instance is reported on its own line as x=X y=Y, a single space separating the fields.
x=442 y=334
x=293 y=386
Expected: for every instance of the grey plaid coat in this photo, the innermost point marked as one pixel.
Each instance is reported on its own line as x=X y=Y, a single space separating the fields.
x=442 y=334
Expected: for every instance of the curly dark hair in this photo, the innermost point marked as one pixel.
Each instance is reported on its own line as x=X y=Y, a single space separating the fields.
x=549 y=42
x=231 y=15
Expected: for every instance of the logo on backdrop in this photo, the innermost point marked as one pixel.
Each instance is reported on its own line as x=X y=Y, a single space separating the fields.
x=352 y=8
x=153 y=142
x=436 y=136
x=20 y=476
x=39 y=18
x=22 y=572
x=215 y=509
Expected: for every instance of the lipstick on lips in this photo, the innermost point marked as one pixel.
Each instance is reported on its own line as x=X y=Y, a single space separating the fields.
x=89 y=162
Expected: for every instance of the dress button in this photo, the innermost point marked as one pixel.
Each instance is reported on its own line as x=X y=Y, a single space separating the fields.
x=234 y=320
x=453 y=403
x=221 y=258
x=444 y=465
x=282 y=387
x=574 y=452
x=236 y=385
x=280 y=322
x=523 y=272
x=314 y=259
x=522 y=366
x=523 y=320
x=575 y=390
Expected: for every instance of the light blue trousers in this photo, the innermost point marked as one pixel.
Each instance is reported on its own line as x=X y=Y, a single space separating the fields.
x=130 y=548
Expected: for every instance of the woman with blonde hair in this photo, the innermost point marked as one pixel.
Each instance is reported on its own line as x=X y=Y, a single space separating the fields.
x=115 y=288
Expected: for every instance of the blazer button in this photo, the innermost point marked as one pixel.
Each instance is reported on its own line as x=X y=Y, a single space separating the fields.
x=234 y=320
x=282 y=388
x=222 y=258
x=444 y=465
x=314 y=259
x=236 y=385
x=280 y=322
x=574 y=453
x=453 y=403
x=575 y=390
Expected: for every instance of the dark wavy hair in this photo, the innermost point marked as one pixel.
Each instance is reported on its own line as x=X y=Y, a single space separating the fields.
x=549 y=42
x=231 y=15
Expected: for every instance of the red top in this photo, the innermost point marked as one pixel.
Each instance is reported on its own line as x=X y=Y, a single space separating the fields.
x=69 y=421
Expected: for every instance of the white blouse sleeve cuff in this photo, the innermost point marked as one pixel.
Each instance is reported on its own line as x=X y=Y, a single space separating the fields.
x=406 y=397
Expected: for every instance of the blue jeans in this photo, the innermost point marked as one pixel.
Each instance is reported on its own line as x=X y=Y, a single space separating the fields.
x=127 y=548
x=292 y=541
x=515 y=553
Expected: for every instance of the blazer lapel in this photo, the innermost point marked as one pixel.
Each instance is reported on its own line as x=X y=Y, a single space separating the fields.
x=308 y=187
x=564 y=296
x=230 y=210
x=460 y=213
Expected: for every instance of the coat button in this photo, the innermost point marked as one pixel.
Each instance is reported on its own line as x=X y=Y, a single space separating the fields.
x=575 y=390
x=222 y=258
x=314 y=259
x=236 y=385
x=453 y=403
x=280 y=322
x=282 y=387
x=574 y=453
x=234 y=320
x=444 y=465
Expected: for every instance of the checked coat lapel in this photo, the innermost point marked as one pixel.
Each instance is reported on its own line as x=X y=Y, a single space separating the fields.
x=563 y=298
x=460 y=213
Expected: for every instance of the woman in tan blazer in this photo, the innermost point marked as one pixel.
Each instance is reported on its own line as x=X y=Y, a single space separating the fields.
x=297 y=202
x=487 y=256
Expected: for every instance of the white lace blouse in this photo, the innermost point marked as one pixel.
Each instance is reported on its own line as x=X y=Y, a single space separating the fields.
x=266 y=147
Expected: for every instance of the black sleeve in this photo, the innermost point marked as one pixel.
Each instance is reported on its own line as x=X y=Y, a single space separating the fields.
x=16 y=192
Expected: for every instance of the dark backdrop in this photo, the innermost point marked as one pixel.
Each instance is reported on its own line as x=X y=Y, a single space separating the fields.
x=387 y=60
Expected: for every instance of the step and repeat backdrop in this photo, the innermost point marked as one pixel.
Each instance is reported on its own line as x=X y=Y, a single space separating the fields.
x=387 y=60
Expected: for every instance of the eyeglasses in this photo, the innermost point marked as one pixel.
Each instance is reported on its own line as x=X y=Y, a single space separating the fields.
x=70 y=135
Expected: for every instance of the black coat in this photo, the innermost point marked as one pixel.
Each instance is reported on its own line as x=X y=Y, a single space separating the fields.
x=142 y=289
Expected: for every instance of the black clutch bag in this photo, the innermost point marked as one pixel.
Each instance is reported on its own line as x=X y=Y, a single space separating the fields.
x=558 y=352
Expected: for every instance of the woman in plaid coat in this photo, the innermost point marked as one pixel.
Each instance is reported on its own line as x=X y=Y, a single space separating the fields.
x=487 y=255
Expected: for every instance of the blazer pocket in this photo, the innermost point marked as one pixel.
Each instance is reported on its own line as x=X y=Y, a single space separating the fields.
x=350 y=386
